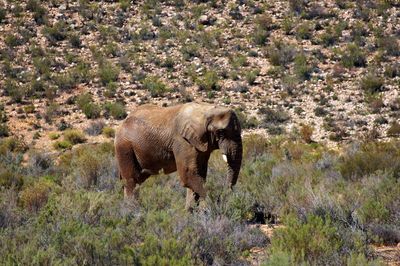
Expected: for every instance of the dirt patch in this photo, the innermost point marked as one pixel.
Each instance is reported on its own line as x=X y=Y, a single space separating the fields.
x=389 y=254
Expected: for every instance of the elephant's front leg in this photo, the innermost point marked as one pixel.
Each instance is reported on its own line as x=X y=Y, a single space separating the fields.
x=192 y=170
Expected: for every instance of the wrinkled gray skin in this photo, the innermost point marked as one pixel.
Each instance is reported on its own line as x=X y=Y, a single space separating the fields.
x=178 y=138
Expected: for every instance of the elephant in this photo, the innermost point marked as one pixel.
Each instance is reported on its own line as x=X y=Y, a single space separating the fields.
x=177 y=138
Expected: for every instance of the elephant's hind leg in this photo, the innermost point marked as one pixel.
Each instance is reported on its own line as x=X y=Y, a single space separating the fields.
x=129 y=170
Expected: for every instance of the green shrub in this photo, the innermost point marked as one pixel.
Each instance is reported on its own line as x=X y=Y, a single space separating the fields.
x=239 y=60
x=108 y=73
x=10 y=179
x=12 y=41
x=314 y=241
x=55 y=33
x=306 y=133
x=116 y=110
x=373 y=211
x=88 y=107
x=111 y=89
x=15 y=91
x=368 y=159
x=251 y=76
x=190 y=50
x=320 y=111
x=65 y=81
x=74 y=136
x=62 y=145
x=124 y=4
x=304 y=31
x=155 y=86
x=108 y=132
x=75 y=40
x=91 y=110
x=54 y=135
x=274 y=116
x=92 y=165
x=371 y=83
x=4 y=131
x=3 y=14
x=42 y=65
x=281 y=54
x=260 y=36
x=34 y=196
x=297 y=6
x=39 y=12
x=209 y=81
x=394 y=130
x=301 y=67
x=390 y=45
x=353 y=56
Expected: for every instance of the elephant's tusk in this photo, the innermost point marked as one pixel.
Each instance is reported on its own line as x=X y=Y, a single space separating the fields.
x=225 y=158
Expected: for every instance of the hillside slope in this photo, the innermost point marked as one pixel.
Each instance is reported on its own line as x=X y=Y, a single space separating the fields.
x=329 y=70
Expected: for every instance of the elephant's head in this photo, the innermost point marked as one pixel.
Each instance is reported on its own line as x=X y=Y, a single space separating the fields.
x=208 y=128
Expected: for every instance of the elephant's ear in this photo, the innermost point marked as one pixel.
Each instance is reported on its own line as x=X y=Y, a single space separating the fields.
x=192 y=127
x=220 y=118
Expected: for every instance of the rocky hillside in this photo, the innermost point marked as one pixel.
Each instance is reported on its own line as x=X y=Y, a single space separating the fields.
x=325 y=71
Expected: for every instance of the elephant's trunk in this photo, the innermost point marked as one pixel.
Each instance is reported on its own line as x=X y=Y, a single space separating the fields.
x=234 y=160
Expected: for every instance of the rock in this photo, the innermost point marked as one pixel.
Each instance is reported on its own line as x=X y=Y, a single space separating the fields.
x=206 y=20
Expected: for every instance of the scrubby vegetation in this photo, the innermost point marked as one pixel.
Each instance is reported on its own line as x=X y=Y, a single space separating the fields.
x=332 y=207
x=308 y=74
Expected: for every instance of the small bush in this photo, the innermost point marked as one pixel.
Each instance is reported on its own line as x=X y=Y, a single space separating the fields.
x=315 y=241
x=320 y=111
x=371 y=83
x=297 y=6
x=33 y=197
x=353 y=56
x=39 y=12
x=10 y=179
x=190 y=50
x=4 y=131
x=74 y=136
x=209 y=81
x=260 y=36
x=390 y=45
x=116 y=110
x=12 y=40
x=304 y=31
x=91 y=110
x=246 y=122
x=155 y=86
x=301 y=67
x=368 y=159
x=55 y=33
x=15 y=91
x=54 y=135
x=108 y=132
x=95 y=128
x=108 y=73
x=75 y=40
x=251 y=76
x=306 y=132
x=274 y=116
x=281 y=54
x=65 y=81
x=62 y=145
x=3 y=14
x=94 y=165
x=394 y=130
x=88 y=107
